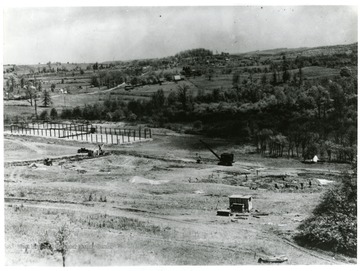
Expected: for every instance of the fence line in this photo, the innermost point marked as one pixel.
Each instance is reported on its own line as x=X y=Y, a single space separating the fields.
x=82 y=132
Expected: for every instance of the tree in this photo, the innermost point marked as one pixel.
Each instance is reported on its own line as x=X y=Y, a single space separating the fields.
x=236 y=79
x=10 y=83
x=134 y=81
x=13 y=83
x=263 y=79
x=321 y=98
x=333 y=225
x=158 y=99
x=95 y=81
x=22 y=82
x=209 y=73
x=300 y=75
x=345 y=72
x=44 y=115
x=36 y=96
x=53 y=113
x=118 y=115
x=30 y=94
x=46 y=98
x=52 y=87
x=168 y=76
x=62 y=241
x=182 y=95
x=274 y=78
x=286 y=75
x=263 y=136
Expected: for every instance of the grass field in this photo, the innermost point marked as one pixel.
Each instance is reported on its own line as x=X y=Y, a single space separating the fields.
x=319 y=72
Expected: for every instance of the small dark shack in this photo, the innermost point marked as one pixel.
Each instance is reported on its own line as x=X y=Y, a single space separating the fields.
x=240 y=204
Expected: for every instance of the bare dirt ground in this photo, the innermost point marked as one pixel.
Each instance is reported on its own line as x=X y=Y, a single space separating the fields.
x=150 y=203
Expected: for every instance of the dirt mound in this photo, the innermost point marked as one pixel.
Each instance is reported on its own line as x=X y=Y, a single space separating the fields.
x=141 y=180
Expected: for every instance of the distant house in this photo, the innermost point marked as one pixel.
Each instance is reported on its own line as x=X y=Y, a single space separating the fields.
x=177 y=77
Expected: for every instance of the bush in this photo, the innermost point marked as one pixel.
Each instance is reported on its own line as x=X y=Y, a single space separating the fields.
x=44 y=115
x=53 y=113
x=345 y=72
x=66 y=113
x=118 y=115
x=197 y=124
x=131 y=117
x=333 y=225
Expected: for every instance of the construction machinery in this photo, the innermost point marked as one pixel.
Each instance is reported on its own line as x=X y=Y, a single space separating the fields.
x=48 y=162
x=225 y=159
x=98 y=151
x=83 y=150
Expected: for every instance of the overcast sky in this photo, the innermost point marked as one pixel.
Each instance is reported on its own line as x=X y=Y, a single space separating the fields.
x=89 y=34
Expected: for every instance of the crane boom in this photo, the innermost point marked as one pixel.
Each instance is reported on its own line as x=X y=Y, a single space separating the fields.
x=210 y=149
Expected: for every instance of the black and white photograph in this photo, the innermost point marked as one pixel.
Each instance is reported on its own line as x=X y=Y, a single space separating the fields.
x=188 y=134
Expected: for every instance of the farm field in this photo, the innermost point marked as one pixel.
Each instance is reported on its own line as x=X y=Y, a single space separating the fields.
x=90 y=96
x=94 y=95
x=150 y=203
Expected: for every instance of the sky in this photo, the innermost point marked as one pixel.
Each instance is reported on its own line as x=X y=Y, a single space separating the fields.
x=88 y=34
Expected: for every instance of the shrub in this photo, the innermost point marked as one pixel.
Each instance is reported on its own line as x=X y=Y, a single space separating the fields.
x=66 y=113
x=197 y=124
x=44 y=115
x=53 y=113
x=333 y=225
x=131 y=117
x=118 y=115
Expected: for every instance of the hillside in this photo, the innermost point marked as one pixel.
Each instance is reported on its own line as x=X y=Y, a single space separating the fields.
x=306 y=51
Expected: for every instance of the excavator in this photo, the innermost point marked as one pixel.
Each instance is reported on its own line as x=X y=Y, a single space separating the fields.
x=225 y=159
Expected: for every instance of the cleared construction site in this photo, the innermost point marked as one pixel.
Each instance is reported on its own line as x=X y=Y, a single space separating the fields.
x=153 y=197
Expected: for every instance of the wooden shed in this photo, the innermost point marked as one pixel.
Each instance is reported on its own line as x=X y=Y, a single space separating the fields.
x=239 y=203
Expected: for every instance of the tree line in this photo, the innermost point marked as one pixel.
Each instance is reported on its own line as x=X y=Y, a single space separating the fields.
x=316 y=117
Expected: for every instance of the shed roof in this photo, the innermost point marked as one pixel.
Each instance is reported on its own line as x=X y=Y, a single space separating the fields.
x=240 y=196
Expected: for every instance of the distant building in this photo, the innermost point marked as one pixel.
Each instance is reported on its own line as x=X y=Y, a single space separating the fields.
x=177 y=77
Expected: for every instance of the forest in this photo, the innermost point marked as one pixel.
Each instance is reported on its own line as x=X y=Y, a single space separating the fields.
x=312 y=117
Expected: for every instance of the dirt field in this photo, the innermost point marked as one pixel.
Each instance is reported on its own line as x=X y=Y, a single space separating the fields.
x=150 y=203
